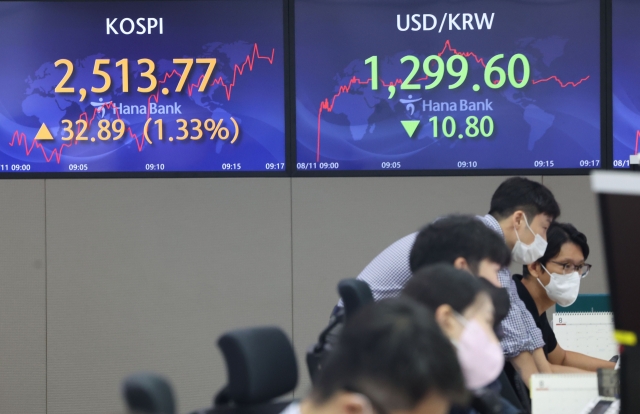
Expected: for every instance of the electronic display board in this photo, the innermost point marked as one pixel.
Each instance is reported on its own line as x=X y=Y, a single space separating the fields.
x=447 y=85
x=626 y=84
x=142 y=86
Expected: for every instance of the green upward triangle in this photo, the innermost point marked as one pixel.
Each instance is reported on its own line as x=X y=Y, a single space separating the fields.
x=410 y=127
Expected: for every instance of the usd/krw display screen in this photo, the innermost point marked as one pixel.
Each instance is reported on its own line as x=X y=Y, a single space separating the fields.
x=626 y=83
x=445 y=85
x=173 y=86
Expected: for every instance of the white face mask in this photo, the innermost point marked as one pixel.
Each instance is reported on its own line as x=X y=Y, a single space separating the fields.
x=528 y=253
x=562 y=289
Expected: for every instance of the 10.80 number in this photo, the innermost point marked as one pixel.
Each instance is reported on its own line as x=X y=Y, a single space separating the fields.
x=484 y=127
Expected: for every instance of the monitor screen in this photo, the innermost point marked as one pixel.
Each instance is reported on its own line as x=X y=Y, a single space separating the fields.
x=626 y=84
x=619 y=200
x=147 y=86
x=447 y=85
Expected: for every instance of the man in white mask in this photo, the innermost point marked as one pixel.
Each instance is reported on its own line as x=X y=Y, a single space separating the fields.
x=521 y=212
x=554 y=279
x=391 y=358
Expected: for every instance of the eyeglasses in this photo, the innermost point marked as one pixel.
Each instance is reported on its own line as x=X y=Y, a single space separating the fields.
x=568 y=268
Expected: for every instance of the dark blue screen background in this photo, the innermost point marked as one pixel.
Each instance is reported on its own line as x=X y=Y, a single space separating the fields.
x=553 y=122
x=626 y=82
x=246 y=37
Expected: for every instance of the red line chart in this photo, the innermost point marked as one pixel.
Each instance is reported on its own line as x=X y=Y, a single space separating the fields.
x=20 y=138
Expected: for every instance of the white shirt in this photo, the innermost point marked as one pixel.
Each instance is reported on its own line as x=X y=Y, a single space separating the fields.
x=520 y=330
x=389 y=271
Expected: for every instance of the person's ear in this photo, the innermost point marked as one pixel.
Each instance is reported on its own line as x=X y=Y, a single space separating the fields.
x=353 y=403
x=446 y=320
x=462 y=264
x=535 y=269
x=518 y=219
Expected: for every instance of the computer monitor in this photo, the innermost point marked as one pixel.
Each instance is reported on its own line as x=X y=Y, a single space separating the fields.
x=619 y=200
x=142 y=88
x=455 y=87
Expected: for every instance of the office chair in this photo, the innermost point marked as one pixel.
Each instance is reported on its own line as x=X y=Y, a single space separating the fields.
x=148 y=393
x=261 y=366
x=354 y=294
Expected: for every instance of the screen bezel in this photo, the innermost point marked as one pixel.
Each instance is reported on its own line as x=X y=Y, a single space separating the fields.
x=614 y=187
x=606 y=132
x=286 y=172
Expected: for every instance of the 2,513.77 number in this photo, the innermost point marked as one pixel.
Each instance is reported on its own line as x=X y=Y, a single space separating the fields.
x=148 y=74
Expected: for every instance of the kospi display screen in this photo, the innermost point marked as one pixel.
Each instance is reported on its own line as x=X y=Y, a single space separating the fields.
x=447 y=85
x=142 y=86
x=626 y=82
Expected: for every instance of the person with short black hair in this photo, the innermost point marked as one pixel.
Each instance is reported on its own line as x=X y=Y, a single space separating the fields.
x=464 y=308
x=521 y=194
x=554 y=279
x=520 y=213
x=464 y=242
x=459 y=302
x=390 y=358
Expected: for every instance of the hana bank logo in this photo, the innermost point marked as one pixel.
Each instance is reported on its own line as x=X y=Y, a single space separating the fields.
x=409 y=104
x=150 y=109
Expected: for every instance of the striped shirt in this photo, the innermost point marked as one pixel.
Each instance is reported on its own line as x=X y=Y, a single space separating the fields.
x=520 y=330
x=389 y=272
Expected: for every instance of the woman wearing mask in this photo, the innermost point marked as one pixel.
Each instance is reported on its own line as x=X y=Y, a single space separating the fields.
x=555 y=279
x=465 y=312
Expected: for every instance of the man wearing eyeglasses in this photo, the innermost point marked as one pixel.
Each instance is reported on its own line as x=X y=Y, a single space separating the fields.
x=554 y=279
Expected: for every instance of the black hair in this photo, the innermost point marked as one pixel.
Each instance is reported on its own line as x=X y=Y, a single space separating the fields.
x=456 y=236
x=557 y=235
x=518 y=193
x=393 y=352
x=442 y=284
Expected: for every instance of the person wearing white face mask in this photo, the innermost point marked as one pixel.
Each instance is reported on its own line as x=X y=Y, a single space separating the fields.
x=521 y=212
x=554 y=279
